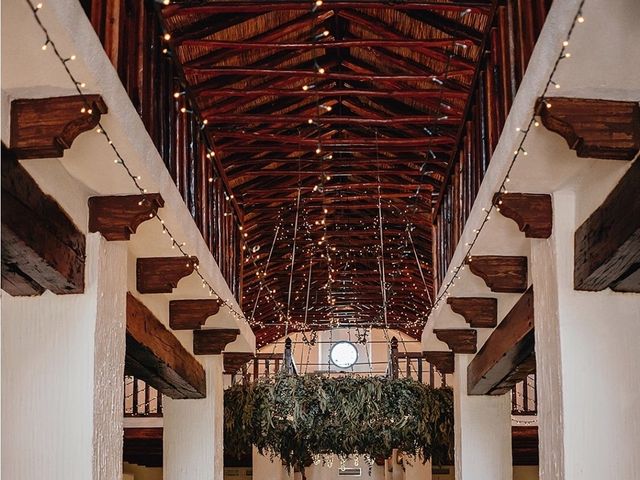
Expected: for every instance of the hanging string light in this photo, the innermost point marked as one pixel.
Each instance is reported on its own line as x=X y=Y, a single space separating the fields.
x=519 y=151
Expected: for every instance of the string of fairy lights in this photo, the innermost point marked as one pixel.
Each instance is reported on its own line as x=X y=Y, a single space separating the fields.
x=270 y=293
x=519 y=151
x=49 y=44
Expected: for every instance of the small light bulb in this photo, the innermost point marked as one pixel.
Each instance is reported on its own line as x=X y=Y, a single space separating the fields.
x=183 y=109
x=318 y=3
x=310 y=121
x=536 y=123
x=567 y=55
x=177 y=95
x=38 y=6
x=565 y=43
x=321 y=70
x=72 y=57
x=166 y=2
x=82 y=84
x=305 y=87
x=318 y=150
x=580 y=18
x=167 y=36
x=205 y=121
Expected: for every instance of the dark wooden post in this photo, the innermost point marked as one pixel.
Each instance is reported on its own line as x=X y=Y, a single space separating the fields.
x=393 y=358
x=288 y=359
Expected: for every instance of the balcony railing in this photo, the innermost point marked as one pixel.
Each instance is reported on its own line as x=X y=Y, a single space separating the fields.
x=141 y=399
x=513 y=35
x=131 y=34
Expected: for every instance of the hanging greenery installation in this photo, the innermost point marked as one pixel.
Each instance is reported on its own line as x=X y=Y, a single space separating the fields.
x=301 y=418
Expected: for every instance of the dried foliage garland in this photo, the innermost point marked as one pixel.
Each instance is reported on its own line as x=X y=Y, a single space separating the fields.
x=298 y=418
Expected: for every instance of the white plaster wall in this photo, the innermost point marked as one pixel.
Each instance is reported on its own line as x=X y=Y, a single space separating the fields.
x=482 y=427
x=62 y=367
x=265 y=469
x=588 y=430
x=193 y=430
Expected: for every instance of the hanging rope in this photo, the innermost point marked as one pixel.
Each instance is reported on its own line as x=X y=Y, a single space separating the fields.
x=293 y=259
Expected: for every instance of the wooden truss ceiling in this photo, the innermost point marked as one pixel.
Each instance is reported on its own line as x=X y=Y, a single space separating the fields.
x=384 y=113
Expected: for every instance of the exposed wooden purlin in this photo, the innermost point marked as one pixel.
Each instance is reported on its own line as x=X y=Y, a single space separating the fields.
x=233 y=361
x=213 y=341
x=508 y=355
x=443 y=361
x=333 y=119
x=252 y=6
x=335 y=92
x=504 y=274
x=459 y=340
x=117 y=217
x=478 y=312
x=532 y=212
x=155 y=355
x=594 y=128
x=607 y=244
x=42 y=249
x=45 y=127
x=191 y=314
x=263 y=71
x=286 y=45
x=162 y=274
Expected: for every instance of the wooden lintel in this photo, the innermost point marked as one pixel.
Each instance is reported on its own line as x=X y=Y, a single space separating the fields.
x=478 y=312
x=459 y=340
x=213 y=341
x=532 y=212
x=233 y=361
x=443 y=361
x=508 y=355
x=45 y=127
x=42 y=249
x=156 y=356
x=117 y=217
x=501 y=273
x=162 y=274
x=607 y=244
x=594 y=128
x=191 y=314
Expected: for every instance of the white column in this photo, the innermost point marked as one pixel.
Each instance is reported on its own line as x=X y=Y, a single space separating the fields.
x=193 y=430
x=266 y=469
x=588 y=369
x=62 y=375
x=417 y=470
x=482 y=431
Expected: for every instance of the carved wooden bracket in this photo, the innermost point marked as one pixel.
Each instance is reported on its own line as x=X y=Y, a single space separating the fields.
x=443 y=361
x=233 y=361
x=594 y=128
x=162 y=274
x=479 y=312
x=213 y=340
x=117 y=217
x=45 y=127
x=459 y=340
x=500 y=273
x=191 y=314
x=532 y=212
x=41 y=247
